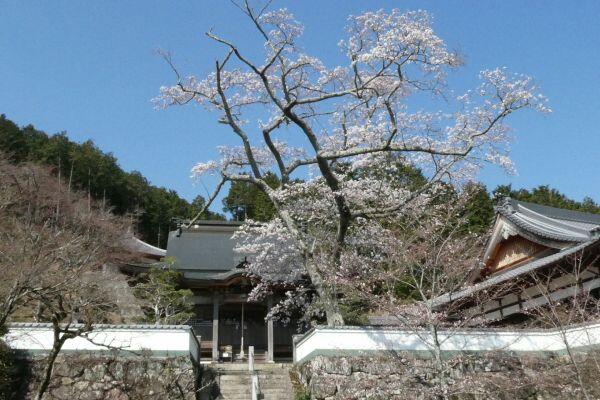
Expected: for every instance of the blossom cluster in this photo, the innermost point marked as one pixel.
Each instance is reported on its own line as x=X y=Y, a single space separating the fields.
x=353 y=125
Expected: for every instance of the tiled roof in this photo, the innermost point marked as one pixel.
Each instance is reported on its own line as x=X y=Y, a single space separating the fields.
x=191 y=275
x=213 y=276
x=550 y=222
x=185 y=224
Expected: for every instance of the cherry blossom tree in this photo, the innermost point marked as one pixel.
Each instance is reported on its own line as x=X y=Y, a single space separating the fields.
x=422 y=256
x=339 y=120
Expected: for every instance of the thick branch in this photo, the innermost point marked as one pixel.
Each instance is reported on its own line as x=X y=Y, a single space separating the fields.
x=209 y=201
x=236 y=128
x=267 y=136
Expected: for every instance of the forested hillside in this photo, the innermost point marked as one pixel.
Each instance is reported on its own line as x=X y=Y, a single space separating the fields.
x=85 y=167
x=548 y=196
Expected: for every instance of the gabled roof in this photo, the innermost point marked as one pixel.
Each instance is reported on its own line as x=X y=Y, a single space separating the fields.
x=550 y=222
x=206 y=246
x=564 y=231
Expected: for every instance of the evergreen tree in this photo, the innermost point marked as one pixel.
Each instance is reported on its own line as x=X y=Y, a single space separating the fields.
x=479 y=209
x=545 y=195
x=85 y=167
x=246 y=201
x=163 y=300
x=197 y=205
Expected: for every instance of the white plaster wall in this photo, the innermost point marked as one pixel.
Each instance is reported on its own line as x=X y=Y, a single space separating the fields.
x=163 y=341
x=357 y=340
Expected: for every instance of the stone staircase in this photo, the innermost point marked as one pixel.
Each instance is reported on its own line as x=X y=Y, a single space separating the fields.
x=234 y=381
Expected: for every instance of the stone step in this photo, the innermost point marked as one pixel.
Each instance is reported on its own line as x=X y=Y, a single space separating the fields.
x=277 y=396
x=235 y=395
x=229 y=383
x=260 y=374
x=241 y=378
x=235 y=390
x=234 y=381
x=264 y=388
x=272 y=394
x=278 y=379
x=244 y=366
x=274 y=385
x=226 y=393
x=232 y=389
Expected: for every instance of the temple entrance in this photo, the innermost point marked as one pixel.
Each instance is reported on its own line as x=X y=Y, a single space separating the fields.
x=238 y=326
x=242 y=325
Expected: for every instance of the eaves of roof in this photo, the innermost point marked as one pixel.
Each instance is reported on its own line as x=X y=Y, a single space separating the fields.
x=511 y=274
x=139 y=246
x=212 y=277
x=545 y=222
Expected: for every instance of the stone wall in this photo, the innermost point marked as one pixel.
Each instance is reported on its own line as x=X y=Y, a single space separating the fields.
x=80 y=376
x=485 y=376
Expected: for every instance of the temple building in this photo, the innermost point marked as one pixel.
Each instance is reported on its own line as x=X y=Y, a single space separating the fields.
x=535 y=254
x=225 y=321
x=528 y=242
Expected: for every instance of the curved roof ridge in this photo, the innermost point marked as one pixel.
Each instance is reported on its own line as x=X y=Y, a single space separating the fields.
x=138 y=245
x=534 y=219
x=560 y=213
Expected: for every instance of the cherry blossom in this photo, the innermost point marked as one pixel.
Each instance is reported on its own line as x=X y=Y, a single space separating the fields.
x=344 y=126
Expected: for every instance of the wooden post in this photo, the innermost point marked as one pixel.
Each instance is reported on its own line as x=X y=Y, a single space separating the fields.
x=215 y=330
x=270 y=352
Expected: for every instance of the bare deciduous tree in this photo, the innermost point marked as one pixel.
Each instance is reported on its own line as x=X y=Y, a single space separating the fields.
x=52 y=249
x=427 y=254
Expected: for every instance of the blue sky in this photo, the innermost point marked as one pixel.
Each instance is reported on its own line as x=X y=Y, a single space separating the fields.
x=91 y=68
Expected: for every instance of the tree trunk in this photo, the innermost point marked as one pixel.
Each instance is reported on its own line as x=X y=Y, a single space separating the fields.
x=575 y=364
x=439 y=362
x=332 y=312
x=56 y=347
x=327 y=297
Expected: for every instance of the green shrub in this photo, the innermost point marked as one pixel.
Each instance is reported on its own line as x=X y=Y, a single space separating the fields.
x=354 y=311
x=302 y=395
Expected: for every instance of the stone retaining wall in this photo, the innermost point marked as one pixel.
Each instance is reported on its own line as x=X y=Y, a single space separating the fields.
x=485 y=376
x=80 y=376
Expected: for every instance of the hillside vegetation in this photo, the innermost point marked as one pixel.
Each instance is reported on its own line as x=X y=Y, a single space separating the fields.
x=83 y=166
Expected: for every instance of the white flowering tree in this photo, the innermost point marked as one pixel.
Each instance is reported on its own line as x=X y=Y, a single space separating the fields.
x=296 y=116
